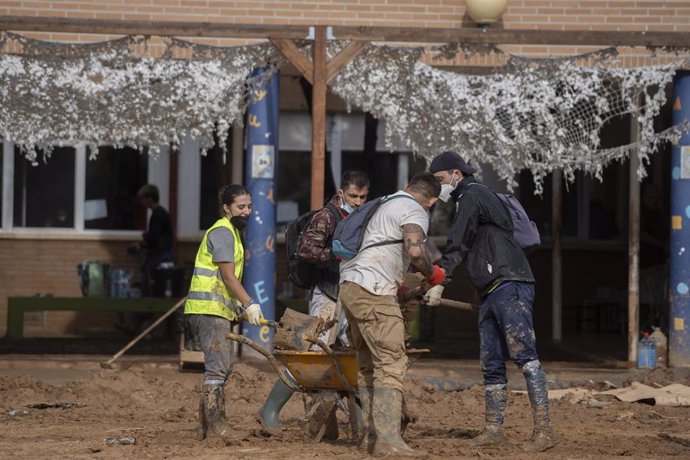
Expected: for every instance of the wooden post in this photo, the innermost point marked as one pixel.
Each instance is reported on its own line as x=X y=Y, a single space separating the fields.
x=633 y=246
x=173 y=176
x=556 y=256
x=318 y=116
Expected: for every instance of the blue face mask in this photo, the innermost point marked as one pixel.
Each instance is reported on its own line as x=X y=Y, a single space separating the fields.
x=345 y=206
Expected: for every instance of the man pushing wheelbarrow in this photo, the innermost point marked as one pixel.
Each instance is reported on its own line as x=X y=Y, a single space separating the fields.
x=394 y=230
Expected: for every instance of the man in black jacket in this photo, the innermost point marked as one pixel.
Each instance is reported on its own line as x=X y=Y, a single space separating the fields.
x=482 y=239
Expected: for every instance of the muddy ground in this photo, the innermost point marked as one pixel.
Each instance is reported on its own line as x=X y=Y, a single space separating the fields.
x=158 y=407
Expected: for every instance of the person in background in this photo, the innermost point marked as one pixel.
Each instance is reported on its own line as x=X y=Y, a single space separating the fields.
x=315 y=247
x=158 y=237
x=157 y=247
x=216 y=301
x=482 y=239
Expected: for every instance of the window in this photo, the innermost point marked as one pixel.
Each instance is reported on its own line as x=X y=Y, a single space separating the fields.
x=592 y=209
x=69 y=192
x=44 y=194
x=215 y=173
x=112 y=182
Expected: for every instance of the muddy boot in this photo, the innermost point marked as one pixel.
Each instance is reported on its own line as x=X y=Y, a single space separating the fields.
x=203 y=423
x=367 y=436
x=408 y=417
x=217 y=429
x=269 y=414
x=543 y=437
x=495 y=397
x=386 y=413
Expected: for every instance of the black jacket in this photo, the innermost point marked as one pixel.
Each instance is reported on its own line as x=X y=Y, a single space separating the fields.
x=482 y=239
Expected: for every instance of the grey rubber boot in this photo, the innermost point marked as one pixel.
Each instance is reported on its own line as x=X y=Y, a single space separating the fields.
x=543 y=437
x=495 y=397
x=214 y=425
x=367 y=436
x=269 y=414
x=386 y=413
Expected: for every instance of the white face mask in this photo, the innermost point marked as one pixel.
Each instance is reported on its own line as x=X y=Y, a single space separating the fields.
x=446 y=190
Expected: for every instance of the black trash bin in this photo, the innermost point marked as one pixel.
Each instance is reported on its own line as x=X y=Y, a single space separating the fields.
x=169 y=282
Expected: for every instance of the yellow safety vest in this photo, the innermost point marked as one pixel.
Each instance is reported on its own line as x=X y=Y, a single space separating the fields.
x=208 y=294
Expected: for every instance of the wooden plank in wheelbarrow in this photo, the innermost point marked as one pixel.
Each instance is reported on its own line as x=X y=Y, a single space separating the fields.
x=292 y=328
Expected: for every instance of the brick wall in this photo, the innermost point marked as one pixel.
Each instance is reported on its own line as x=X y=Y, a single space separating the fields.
x=656 y=15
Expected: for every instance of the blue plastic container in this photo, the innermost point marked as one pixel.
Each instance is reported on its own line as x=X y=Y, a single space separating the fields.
x=646 y=353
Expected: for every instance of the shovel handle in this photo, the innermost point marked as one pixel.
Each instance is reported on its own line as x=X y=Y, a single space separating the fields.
x=455 y=304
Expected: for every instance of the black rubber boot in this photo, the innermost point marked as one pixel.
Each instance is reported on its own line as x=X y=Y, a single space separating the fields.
x=213 y=422
x=543 y=437
x=495 y=397
x=269 y=415
x=386 y=413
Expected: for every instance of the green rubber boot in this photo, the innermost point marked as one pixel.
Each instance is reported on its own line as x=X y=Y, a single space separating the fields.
x=269 y=415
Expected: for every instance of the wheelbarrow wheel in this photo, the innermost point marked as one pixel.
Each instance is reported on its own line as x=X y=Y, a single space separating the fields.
x=322 y=420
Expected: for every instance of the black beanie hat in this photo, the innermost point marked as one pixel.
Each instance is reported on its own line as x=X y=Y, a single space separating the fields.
x=450 y=160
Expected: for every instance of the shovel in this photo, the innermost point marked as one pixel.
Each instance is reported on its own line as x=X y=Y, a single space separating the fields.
x=109 y=364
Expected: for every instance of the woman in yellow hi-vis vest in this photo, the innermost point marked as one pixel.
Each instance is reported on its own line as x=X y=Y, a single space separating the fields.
x=215 y=301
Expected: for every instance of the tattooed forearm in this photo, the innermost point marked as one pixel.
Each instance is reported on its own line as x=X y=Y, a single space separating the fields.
x=413 y=239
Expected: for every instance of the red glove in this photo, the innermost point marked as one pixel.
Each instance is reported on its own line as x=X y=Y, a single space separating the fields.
x=437 y=277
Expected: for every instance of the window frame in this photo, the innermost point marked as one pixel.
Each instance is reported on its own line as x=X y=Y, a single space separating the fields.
x=158 y=173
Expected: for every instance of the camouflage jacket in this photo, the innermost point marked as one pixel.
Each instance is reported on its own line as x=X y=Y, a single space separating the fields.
x=314 y=246
x=315 y=242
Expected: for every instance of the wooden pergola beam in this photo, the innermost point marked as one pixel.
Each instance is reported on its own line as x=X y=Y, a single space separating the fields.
x=291 y=52
x=515 y=36
x=357 y=33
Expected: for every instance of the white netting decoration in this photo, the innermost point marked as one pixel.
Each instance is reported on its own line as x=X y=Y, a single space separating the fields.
x=105 y=93
x=539 y=115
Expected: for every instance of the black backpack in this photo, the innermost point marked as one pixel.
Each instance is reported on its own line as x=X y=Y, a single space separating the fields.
x=300 y=272
x=525 y=231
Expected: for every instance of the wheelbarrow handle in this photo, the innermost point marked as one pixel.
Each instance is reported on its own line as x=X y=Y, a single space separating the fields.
x=280 y=369
x=268 y=322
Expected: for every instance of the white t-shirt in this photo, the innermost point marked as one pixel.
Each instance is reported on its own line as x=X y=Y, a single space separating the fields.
x=380 y=270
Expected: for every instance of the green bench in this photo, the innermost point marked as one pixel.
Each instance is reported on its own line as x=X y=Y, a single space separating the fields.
x=17 y=306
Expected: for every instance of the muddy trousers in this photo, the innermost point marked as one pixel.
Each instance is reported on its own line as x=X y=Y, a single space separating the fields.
x=506 y=331
x=377 y=330
x=210 y=332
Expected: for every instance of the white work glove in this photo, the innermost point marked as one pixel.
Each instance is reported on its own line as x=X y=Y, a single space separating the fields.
x=254 y=314
x=433 y=296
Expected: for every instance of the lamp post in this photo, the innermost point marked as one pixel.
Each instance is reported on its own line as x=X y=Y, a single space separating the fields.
x=485 y=12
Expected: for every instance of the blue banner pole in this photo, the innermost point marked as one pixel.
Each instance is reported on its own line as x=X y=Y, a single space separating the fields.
x=679 y=279
x=261 y=178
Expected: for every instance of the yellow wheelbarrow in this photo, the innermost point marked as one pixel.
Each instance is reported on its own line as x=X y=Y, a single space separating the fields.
x=318 y=372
